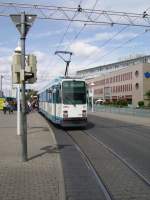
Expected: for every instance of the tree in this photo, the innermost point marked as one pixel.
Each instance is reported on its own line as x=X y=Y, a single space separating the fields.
x=148 y=96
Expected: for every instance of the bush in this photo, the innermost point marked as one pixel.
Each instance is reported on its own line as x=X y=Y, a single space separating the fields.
x=122 y=102
x=141 y=103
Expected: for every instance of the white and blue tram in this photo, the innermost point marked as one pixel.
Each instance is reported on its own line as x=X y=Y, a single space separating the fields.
x=64 y=102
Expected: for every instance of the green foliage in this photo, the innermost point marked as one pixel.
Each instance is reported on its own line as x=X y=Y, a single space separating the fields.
x=141 y=103
x=122 y=102
x=148 y=94
x=30 y=93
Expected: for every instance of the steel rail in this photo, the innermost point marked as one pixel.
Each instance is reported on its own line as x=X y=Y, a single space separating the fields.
x=92 y=169
x=143 y=178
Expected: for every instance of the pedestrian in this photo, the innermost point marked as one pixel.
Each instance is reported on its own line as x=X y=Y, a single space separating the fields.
x=10 y=108
x=5 y=107
x=29 y=106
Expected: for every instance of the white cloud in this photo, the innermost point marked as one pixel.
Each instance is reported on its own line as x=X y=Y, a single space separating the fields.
x=82 y=49
x=48 y=67
x=5 y=50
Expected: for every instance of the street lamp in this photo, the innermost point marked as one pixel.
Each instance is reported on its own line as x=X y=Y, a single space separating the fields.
x=92 y=86
x=23 y=23
x=1 y=85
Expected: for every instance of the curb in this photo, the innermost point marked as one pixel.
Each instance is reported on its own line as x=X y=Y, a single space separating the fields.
x=62 y=193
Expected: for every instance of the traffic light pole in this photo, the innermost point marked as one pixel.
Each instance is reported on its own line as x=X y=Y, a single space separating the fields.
x=23 y=99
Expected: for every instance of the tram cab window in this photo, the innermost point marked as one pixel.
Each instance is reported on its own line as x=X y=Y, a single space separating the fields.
x=74 y=92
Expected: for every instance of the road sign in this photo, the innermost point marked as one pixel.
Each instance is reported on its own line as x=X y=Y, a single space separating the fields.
x=29 y=19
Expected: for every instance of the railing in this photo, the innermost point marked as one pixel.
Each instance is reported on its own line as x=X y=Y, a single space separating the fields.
x=122 y=110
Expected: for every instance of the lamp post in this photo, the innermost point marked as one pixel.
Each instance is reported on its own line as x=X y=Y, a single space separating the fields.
x=92 y=86
x=23 y=23
x=1 y=85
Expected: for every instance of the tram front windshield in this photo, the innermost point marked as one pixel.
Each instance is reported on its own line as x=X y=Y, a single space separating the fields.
x=74 y=92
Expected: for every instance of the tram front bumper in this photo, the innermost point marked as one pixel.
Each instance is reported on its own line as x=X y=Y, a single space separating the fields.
x=74 y=122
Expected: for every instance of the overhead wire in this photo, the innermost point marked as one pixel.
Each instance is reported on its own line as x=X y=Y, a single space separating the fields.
x=110 y=39
x=118 y=47
x=83 y=27
x=65 y=33
x=95 y=11
x=107 y=41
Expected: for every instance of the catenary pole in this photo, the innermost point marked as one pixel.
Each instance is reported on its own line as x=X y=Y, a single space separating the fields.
x=23 y=100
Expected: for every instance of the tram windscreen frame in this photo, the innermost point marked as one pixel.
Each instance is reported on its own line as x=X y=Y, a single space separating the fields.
x=74 y=92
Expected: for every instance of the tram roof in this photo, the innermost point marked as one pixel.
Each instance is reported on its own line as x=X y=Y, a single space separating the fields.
x=59 y=80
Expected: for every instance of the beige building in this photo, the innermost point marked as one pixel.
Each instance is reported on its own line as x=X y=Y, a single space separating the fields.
x=128 y=80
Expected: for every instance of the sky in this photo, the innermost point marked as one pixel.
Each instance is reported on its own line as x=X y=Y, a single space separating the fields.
x=89 y=43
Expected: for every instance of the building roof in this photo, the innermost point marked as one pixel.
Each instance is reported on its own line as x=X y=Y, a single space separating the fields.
x=113 y=66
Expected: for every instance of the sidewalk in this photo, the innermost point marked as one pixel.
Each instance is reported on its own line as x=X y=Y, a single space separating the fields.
x=125 y=118
x=41 y=177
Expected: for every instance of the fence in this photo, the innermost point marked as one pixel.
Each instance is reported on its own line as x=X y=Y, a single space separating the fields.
x=122 y=110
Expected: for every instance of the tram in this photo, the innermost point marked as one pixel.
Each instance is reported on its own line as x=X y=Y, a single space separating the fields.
x=64 y=102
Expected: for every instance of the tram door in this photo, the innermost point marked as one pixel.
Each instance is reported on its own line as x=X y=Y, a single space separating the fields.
x=54 y=104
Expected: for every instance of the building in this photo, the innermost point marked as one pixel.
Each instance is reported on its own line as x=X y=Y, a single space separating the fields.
x=128 y=80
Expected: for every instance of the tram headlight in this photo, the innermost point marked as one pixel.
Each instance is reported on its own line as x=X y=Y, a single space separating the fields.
x=65 y=114
x=83 y=113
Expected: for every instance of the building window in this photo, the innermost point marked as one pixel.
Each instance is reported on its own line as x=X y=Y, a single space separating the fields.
x=136 y=73
x=131 y=75
x=114 y=89
x=137 y=85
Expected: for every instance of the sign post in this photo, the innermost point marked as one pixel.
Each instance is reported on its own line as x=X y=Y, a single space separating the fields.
x=23 y=23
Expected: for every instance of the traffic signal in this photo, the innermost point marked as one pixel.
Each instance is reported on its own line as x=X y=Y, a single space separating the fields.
x=29 y=74
x=16 y=66
x=31 y=69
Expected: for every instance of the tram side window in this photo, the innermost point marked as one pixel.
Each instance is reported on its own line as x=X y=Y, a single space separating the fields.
x=41 y=97
x=49 y=97
x=44 y=96
x=58 y=96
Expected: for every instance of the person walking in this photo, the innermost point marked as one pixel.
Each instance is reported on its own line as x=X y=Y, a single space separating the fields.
x=10 y=107
x=29 y=106
x=5 y=107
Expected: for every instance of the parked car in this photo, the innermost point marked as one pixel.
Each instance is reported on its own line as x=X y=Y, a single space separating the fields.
x=99 y=101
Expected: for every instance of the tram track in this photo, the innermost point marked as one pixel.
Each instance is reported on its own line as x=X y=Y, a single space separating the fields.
x=93 y=170
x=103 y=182
x=144 y=179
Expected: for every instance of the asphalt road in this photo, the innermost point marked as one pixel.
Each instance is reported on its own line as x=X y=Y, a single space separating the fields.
x=131 y=142
x=101 y=141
